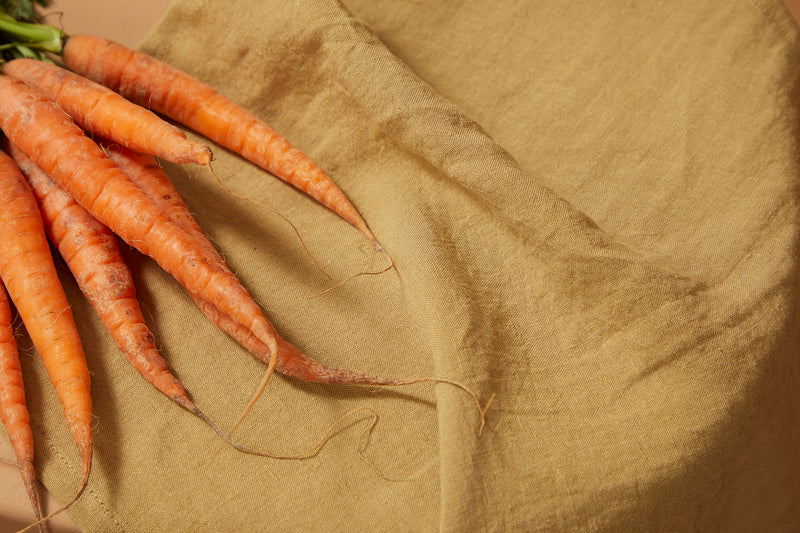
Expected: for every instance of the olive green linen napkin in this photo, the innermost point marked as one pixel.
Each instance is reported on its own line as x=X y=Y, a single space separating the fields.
x=593 y=212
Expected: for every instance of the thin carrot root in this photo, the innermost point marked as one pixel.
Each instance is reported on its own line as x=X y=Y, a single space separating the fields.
x=362 y=440
x=84 y=483
x=338 y=283
x=367 y=431
x=187 y=404
x=309 y=452
x=316 y=447
x=259 y=391
x=227 y=190
x=384 y=382
x=341 y=283
x=482 y=409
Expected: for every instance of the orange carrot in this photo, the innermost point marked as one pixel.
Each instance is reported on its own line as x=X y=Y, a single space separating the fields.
x=102 y=112
x=46 y=134
x=171 y=92
x=145 y=172
x=92 y=254
x=148 y=175
x=28 y=271
x=13 y=409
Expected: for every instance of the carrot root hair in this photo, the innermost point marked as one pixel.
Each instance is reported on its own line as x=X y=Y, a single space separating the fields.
x=362 y=441
x=316 y=447
x=86 y=468
x=272 y=210
x=482 y=408
x=309 y=452
x=338 y=283
x=341 y=283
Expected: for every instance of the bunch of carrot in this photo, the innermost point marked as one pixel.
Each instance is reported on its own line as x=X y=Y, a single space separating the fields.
x=84 y=191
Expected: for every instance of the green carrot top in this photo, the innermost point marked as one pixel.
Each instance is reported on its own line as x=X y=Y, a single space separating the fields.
x=21 y=34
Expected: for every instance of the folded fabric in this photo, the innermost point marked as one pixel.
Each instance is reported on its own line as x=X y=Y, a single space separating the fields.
x=593 y=213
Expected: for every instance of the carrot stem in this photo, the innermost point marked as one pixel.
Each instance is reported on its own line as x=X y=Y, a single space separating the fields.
x=38 y=36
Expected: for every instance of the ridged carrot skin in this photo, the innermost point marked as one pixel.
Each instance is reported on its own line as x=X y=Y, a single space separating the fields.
x=145 y=172
x=193 y=103
x=13 y=408
x=28 y=271
x=92 y=254
x=46 y=134
x=102 y=112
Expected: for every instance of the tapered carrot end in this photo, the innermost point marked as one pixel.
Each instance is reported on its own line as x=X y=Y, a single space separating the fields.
x=362 y=226
x=184 y=402
x=86 y=467
x=382 y=250
x=203 y=155
x=29 y=479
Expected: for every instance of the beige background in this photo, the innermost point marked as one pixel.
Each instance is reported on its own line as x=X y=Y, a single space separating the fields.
x=794 y=7
x=126 y=22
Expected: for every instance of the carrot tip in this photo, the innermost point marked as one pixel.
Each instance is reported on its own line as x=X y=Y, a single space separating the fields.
x=87 y=468
x=205 y=156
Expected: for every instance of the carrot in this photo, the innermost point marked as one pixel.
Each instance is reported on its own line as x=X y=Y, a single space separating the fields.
x=13 y=409
x=171 y=92
x=28 y=271
x=47 y=135
x=102 y=112
x=92 y=254
x=145 y=172
x=80 y=166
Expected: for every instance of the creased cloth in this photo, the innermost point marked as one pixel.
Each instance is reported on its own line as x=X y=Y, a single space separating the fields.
x=593 y=212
